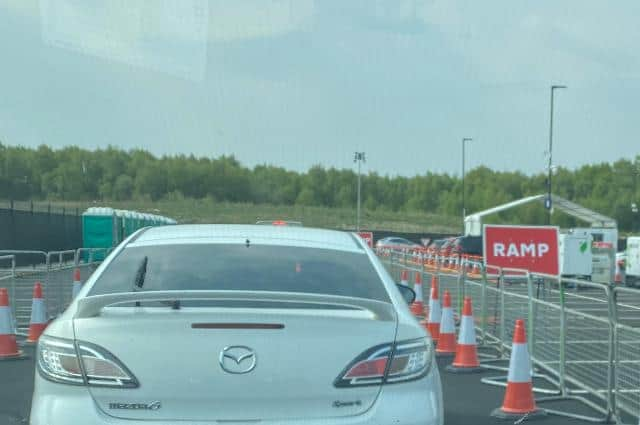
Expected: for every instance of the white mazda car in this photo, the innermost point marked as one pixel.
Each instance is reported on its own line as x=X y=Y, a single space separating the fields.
x=213 y=324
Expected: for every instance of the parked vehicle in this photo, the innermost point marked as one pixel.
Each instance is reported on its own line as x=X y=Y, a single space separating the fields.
x=396 y=242
x=197 y=324
x=469 y=245
x=620 y=276
x=575 y=255
x=434 y=246
x=632 y=261
x=604 y=262
x=599 y=234
x=447 y=247
x=279 y=223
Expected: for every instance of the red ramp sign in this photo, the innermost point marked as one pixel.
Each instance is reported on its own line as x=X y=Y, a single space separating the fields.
x=533 y=248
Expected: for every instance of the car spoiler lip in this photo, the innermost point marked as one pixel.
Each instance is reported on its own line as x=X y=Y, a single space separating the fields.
x=92 y=305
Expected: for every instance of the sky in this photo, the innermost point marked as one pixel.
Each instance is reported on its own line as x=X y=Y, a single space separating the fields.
x=295 y=83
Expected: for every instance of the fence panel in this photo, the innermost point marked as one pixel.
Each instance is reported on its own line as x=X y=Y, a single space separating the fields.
x=20 y=270
x=585 y=336
x=59 y=280
x=30 y=268
x=7 y=267
x=448 y=281
x=545 y=323
x=514 y=303
x=589 y=341
x=7 y=277
x=627 y=355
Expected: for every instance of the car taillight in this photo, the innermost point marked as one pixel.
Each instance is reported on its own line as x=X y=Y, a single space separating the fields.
x=388 y=363
x=81 y=363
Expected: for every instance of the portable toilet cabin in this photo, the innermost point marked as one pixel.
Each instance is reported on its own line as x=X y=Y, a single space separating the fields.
x=121 y=219
x=99 y=230
x=137 y=220
x=129 y=223
x=144 y=221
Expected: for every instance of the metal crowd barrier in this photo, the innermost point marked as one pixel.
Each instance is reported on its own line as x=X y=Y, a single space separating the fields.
x=20 y=270
x=584 y=337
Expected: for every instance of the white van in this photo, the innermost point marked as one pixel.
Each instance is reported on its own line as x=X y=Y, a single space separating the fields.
x=632 y=261
x=576 y=259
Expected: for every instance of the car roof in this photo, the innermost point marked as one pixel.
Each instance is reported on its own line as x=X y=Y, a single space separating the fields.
x=255 y=234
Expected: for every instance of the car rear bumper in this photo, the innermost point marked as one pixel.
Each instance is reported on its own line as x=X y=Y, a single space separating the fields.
x=417 y=402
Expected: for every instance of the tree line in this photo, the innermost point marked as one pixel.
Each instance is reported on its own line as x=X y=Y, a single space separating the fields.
x=74 y=174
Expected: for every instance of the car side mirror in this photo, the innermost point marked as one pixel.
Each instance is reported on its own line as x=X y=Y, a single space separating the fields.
x=408 y=294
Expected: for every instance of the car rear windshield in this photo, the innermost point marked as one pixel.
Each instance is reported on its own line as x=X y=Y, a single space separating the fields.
x=242 y=268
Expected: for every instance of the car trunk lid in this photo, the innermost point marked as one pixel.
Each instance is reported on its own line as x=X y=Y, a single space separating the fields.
x=179 y=359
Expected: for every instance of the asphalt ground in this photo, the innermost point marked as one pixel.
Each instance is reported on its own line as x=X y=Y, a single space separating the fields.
x=16 y=387
x=466 y=399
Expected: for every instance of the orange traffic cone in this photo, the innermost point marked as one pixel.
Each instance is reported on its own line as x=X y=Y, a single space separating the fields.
x=8 y=343
x=77 y=283
x=447 y=338
x=404 y=277
x=435 y=313
x=518 y=399
x=476 y=269
x=434 y=284
x=417 y=307
x=38 y=315
x=466 y=359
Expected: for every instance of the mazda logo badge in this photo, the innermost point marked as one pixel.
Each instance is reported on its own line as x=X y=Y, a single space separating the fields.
x=237 y=359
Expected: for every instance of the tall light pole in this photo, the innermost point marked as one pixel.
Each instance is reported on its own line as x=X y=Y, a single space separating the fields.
x=358 y=157
x=547 y=203
x=634 y=199
x=464 y=210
